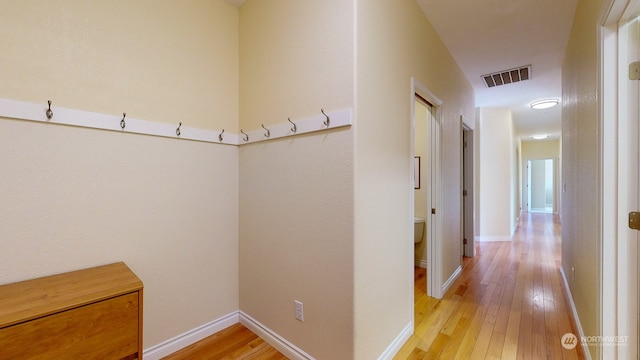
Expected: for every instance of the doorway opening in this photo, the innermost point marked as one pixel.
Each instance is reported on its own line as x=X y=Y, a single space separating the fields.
x=468 y=234
x=426 y=201
x=540 y=185
x=423 y=116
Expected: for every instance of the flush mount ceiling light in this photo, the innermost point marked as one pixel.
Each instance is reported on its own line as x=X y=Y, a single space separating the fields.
x=540 y=137
x=544 y=104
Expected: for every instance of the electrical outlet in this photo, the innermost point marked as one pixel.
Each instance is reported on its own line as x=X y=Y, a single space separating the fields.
x=299 y=310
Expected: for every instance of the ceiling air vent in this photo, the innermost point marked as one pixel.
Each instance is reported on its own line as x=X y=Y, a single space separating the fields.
x=507 y=76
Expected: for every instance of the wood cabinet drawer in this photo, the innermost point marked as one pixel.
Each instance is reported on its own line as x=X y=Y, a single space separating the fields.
x=93 y=313
x=106 y=329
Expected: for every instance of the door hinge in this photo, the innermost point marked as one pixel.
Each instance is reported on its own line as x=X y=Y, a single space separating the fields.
x=634 y=220
x=433 y=211
x=634 y=70
x=464 y=241
x=464 y=192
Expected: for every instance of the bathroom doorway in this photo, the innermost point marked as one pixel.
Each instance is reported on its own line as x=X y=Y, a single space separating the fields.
x=422 y=184
x=426 y=200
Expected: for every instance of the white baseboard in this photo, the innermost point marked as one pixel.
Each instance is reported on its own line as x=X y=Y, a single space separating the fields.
x=291 y=351
x=574 y=311
x=451 y=279
x=421 y=263
x=397 y=344
x=183 y=340
x=492 y=238
x=278 y=342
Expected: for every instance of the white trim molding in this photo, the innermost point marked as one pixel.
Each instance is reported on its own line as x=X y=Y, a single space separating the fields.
x=447 y=284
x=272 y=338
x=397 y=343
x=574 y=311
x=190 y=337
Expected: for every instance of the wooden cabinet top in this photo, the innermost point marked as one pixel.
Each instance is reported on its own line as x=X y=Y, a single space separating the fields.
x=30 y=299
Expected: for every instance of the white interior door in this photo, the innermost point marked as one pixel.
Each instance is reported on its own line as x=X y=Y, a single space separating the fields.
x=629 y=176
x=629 y=197
x=634 y=169
x=469 y=249
x=619 y=47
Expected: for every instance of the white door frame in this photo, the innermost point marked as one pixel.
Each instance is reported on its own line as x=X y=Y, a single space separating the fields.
x=433 y=222
x=619 y=283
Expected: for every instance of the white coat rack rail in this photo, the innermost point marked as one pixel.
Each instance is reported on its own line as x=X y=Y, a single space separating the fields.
x=50 y=113
x=292 y=127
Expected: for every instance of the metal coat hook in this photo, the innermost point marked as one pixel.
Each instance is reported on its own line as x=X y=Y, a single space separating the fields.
x=268 y=133
x=122 y=122
x=178 y=129
x=245 y=137
x=294 y=129
x=220 y=135
x=49 y=111
x=328 y=121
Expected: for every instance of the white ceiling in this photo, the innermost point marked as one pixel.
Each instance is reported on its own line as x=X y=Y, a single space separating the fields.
x=488 y=36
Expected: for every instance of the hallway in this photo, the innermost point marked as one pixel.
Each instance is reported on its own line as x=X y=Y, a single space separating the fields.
x=508 y=302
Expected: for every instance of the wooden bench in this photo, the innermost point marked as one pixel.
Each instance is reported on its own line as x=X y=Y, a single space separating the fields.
x=94 y=313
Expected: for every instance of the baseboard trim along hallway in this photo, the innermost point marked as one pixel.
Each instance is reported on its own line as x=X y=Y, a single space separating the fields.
x=574 y=312
x=272 y=338
x=183 y=340
x=397 y=344
x=451 y=280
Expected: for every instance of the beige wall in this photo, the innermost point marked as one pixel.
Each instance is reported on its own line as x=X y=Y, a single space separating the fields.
x=164 y=61
x=296 y=58
x=212 y=228
x=580 y=128
x=394 y=43
x=74 y=198
x=548 y=149
x=496 y=181
x=296 y=195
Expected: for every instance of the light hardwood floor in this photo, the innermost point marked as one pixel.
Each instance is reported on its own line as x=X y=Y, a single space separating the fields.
x=235 y=342
x=508 y=303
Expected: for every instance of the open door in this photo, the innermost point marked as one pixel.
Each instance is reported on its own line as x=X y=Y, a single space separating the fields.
x=469 y=249
x=620 y=90
x=633 y=166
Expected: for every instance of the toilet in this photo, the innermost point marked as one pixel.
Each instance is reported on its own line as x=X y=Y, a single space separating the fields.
x=418 y=229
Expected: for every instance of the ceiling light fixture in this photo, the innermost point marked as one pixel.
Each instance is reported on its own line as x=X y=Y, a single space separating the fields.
x=544 y=104
x=540 y=137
